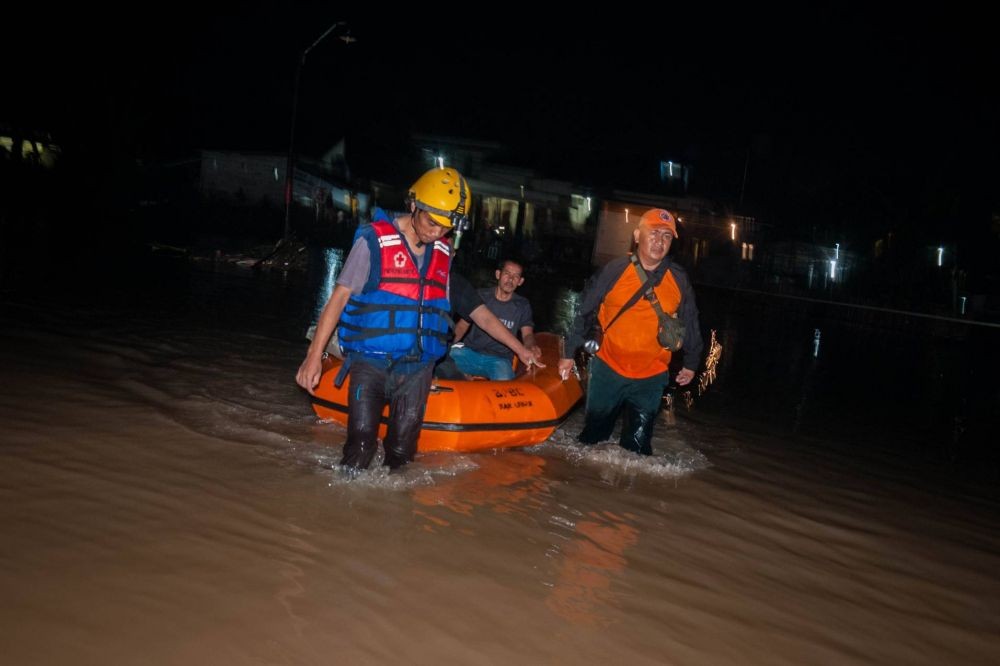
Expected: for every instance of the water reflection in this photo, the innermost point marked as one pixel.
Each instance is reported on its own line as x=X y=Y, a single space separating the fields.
x=589 y=562
x=505 y=483
x=588 y=550
x=293 y=575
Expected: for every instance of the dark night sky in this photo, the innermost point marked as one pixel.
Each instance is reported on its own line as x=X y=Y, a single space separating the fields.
x=862 y=119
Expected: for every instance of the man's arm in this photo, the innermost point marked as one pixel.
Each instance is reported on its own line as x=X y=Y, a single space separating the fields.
x=488 y=321
x=352 y=278
x=312 y=367
x=528 y=338
x=461 y=328
x=527 y=322
x=693 y=343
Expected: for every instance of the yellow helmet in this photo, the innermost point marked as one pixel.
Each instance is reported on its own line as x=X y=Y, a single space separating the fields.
x=445 y=195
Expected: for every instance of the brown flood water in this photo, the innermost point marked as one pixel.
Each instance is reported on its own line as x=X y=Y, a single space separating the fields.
x=167 y=497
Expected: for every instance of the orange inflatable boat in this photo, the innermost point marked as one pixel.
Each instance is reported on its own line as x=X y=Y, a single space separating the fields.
x=470 y=415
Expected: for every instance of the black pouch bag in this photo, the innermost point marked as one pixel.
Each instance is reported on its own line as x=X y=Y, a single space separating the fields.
x=671 y=333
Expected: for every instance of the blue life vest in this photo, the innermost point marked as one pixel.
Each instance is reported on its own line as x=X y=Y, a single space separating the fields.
x=402 y=313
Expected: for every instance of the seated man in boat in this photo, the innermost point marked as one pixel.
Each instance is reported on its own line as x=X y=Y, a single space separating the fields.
x=467 y=308
x=477 y=353
x=391 y=305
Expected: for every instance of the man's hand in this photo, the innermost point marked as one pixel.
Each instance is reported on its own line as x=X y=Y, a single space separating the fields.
x=566 y=366
x=531 y=357
x=309 y=373
x=685 y=376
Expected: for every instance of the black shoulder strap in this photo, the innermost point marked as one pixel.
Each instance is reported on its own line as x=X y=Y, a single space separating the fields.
x=647 y=284
x=650 y=294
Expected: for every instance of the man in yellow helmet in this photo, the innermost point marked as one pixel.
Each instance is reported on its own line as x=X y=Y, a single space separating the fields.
x=636 y=300
x=391 y=304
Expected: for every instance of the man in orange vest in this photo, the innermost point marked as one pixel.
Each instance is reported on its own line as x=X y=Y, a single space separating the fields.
x=629 y=372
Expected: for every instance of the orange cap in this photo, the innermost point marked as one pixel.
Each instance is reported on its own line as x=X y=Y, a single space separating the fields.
x=658 y=217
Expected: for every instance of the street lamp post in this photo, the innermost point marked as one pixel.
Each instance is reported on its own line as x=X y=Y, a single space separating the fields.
x=290 y=165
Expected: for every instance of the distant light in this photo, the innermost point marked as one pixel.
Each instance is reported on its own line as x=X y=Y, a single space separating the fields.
x=626 y=216
x=816 y=343
x=962 y=305
x=833 y=269
x=670 y=168
x=588 y=204
x=440 y=161
x=732 y=230
x=276 y=174
x=940 y=256
x=522 y=191
x=836 y=250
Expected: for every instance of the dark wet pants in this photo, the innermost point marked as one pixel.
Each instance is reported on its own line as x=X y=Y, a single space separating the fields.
x=608 y=393
x=446 y=368
x=371 y=388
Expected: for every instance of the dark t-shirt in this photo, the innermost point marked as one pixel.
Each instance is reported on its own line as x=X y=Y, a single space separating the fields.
x=515 y=315
x=464 y=299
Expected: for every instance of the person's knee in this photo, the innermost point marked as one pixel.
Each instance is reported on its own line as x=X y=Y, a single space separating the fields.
x=502 y=370
x=463 y=361
x=448 y=369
